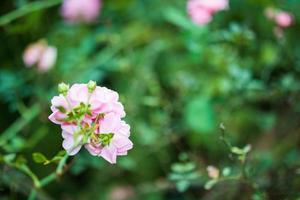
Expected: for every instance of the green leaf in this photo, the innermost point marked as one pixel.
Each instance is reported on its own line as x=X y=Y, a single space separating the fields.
x=200 y=115
x=182 y=185
x=237 y=151
x=226 y=171
x=209 y=184
x=247 y=149
x=40 y=158
x=58 y=156
x=9 y=157
x=183 y=167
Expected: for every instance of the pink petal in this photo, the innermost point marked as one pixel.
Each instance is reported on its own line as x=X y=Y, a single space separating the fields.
x=123 y=129
x=109 y=123
x=78 y=93
x=93 y=150
x=70 y=145
x=109 y=153
x=47 y=59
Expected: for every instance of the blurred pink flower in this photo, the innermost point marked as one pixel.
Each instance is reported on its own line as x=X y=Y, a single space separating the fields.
x=200 y=17
x=91 y=116
x=47 y=59
x=41 y=55
x=201 y=11
x=213 y=5
x=283 y=19
x=86 y=11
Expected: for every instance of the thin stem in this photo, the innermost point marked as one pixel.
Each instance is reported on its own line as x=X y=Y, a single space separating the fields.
x=32 y=194
x=243 y=167
x=222 y=137
x=61 y=164
x=31 y=7
x=48 y=179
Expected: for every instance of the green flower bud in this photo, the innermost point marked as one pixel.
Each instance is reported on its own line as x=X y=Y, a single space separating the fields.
x=91 y=86
x=63 y=88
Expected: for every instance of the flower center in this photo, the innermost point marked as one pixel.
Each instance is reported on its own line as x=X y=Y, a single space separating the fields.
x=106 y=138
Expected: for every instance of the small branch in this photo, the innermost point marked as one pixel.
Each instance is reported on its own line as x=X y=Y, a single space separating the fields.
x=222 y=137
x=51 y=177
x=61 y=164
x=48 y=179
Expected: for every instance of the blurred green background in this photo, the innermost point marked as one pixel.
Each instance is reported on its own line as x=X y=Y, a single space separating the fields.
x=177 y=81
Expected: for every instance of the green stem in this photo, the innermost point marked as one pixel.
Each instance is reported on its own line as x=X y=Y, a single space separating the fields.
x=48 y=179
x=31 y=7
x=32 y=194
x=61 y=164
x=223 y=139
x=243 y=168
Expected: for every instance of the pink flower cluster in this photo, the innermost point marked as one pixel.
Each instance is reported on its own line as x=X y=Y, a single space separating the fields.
x=91 y=116
x=201 y=11
x=41 y=55
x=283 y=19
x=75 y=11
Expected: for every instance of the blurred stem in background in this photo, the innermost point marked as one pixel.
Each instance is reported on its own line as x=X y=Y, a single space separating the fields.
x=61 y=168
x=31 y=7
x=27 y=116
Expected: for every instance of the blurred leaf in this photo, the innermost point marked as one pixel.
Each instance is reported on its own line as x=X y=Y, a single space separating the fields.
x=40 y=158
x=200 y=115
x=226 y=171
x=182 y=185
x=9 y=157
x=209 y=184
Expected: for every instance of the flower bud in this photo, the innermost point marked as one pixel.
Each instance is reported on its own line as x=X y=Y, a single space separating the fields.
x=213 y=172
x=63 y=88
x=91 y=86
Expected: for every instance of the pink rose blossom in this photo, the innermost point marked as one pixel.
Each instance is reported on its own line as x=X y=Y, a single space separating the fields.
x=119 y=144
x=201 y=11
x=283 y=19
x=101 y=100
x=41 y=55
x=91 y=116
x=86 y=11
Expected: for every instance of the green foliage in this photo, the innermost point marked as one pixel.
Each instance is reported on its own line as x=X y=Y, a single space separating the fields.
x=40 y=158
x=200 y=115
x=184 y=174
x=177 y=82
